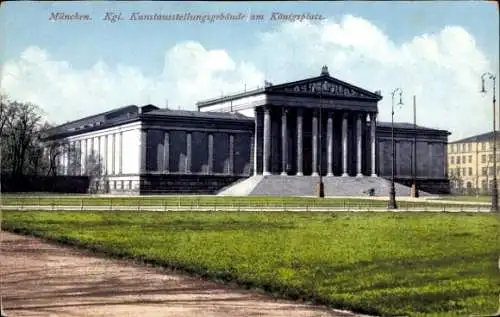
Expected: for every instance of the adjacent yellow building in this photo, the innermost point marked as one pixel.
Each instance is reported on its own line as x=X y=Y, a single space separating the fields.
x=470 y=164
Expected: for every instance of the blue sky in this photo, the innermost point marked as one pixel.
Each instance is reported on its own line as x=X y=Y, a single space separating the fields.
x=142 y=55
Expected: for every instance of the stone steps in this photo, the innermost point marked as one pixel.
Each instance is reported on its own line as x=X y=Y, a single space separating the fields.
x=276 y=185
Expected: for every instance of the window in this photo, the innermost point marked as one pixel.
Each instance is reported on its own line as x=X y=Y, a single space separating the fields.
x=464 y=159
x=483 y=146
x=470 y=158
x=464 y=171
x=451 y=172
x=458 y=171
x=490 y=170
x=483 y=158
x=483 y=171
x=470 y=171
x=458 y=159
x=452 y=160
x=463 y=147
x=469 y=147
x=490 y=158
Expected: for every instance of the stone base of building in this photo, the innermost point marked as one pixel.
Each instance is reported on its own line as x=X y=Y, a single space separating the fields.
x=432 y=186
x=162 y=184
x=277 y=185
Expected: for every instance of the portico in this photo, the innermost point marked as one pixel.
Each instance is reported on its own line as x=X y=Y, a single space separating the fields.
x=317 y=126
x=287 y=140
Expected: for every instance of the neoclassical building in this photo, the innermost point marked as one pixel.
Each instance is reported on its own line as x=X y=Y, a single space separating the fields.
x=316 y=126
x=299 y=124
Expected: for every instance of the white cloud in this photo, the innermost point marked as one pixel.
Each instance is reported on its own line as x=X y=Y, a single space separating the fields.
x=190 y=73
x=443 y=69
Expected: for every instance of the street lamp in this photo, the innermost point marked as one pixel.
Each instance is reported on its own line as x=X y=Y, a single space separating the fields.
x=414 y=188
x=392 y=193
x=321 y=185
x=494 y=192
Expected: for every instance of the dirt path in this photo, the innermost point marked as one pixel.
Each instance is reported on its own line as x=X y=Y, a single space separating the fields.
x=42 y=279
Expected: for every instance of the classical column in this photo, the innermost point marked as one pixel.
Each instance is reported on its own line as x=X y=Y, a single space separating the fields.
x=166 y=152
x=72 y=158
x=99 y=160
x=284 y=142
x=142 y=152
x=83 y=156
x=359 y=150
x=60 y=160
x=210 y=153
x=66 y=159
x=231 y=154
x=267 y=141
x=120 y=157
x=300 y=149
x=315 y=143
x=344 y=145
x=106 y=171
x=255 y=141
x=113 y=147
x=373 y=127
x=188 y=152
x=329 y=137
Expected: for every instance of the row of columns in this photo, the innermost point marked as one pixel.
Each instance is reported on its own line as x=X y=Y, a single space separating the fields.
x=299 y=139
x=81 y=150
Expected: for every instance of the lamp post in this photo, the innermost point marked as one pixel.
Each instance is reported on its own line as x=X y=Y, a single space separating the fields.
x=321 y=185
x=494 y=192
x=392 y=193
x=414 y=188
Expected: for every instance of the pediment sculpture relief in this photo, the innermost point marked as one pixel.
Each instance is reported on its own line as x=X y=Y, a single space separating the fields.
x=326 y=88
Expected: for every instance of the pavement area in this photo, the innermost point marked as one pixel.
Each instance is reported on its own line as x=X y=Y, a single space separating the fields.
x=43 y=279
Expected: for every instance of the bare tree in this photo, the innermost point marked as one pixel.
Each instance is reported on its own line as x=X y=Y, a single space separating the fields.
x=94 y=169
x=21 y=125
x=53 y=152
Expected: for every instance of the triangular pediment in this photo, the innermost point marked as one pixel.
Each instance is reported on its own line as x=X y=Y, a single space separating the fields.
x=324 y=85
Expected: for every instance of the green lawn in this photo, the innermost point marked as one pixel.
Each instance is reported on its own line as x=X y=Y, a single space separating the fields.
x=252 y=201
x=414 y=264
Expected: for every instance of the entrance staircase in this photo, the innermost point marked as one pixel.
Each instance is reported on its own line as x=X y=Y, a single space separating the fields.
x=277 y=185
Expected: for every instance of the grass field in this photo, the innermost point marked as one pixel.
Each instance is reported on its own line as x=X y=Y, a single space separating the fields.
x=191 y=201
x=414 y=264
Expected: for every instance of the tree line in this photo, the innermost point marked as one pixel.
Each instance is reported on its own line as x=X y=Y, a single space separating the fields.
x=24 y=151
x=21 y=128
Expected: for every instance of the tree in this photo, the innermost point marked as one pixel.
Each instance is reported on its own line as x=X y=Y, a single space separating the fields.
x=53 y=151
x=21 y=125
x=93 y=169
